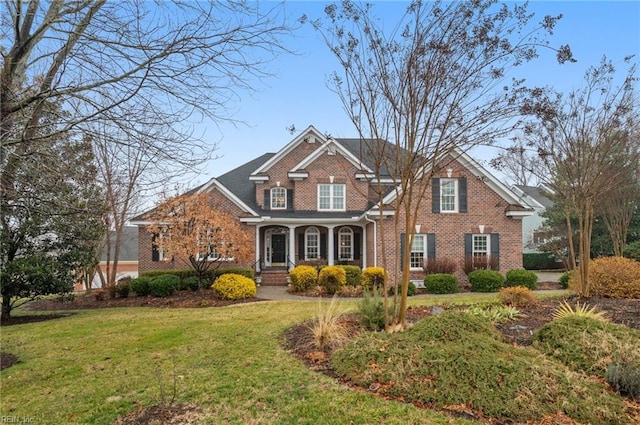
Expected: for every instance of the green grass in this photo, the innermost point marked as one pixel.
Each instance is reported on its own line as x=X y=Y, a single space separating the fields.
x=90 y=367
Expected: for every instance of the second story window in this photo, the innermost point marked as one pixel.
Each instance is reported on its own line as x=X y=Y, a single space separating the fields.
x=331 y=197
x=448 y=195
x=278 y=198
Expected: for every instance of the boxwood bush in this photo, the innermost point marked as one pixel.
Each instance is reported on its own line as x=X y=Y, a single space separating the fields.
x=411 y=289
x=231 y=286
x=373 y=276
x=332 y=279
x=140 y=286
x=521 y=277
x=486 y=280
x=441 y=283
x=164 y=285
x=303 y=278
x=354 y=275
x=565 y=278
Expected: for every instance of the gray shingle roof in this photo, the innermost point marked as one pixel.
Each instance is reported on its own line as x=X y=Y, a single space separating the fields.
x=237 y=180
x=538 y=194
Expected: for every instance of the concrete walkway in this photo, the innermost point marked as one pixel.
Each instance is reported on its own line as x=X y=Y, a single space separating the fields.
x=280 y=292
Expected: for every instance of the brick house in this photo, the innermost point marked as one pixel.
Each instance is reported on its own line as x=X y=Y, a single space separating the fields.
x=312 y=202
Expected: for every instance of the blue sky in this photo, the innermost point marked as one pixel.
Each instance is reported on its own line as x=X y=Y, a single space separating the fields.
x=298 y=94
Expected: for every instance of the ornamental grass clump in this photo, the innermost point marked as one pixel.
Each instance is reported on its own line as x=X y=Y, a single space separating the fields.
x=231 y=286
x=303 y=278
x=328 y=329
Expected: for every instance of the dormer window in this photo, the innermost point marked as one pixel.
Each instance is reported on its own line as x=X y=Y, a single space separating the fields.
x=278 y=198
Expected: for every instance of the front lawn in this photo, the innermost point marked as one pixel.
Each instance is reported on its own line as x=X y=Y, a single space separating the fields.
x=96 y=365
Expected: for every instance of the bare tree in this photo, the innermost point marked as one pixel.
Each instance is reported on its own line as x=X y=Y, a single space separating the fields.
x=145 y=70
x=588 y=142
x=520 y=164
x=434 y=85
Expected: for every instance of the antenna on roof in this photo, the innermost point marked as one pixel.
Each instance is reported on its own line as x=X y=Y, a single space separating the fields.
x=291 y=129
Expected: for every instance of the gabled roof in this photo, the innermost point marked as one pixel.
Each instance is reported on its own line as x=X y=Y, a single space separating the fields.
x=128 y=245
x=335 y=146
x=536 y=196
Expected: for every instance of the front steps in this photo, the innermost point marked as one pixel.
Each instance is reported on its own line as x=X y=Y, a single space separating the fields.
x=274 y=277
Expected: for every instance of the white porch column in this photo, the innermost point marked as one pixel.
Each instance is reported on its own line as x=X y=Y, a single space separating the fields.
x=292 y=247
x=363 y=247
x=330 y=253
x=258 y=248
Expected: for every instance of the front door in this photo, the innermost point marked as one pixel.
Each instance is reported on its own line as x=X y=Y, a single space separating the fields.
x=278 y=250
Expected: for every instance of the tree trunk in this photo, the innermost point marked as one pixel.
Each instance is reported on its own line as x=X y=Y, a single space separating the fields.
x=6 y=307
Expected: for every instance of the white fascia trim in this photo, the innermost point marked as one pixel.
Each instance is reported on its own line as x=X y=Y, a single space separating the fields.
x=301 y=221
x=237 y=201
x=298 y=175
x=259 y=178
x=519 y=214
x=343 y=151
x=376 y=213
x=311 y=131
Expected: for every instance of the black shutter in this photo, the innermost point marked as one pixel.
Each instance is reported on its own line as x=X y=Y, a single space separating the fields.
x=468 y=245
x=431 y=246
x=401 y=250
x=267 y=199
x=356 y=246
x=495 y=250
x=435 y=195
x=155 y=254
x=301 y=247
x=323 y=246
x=336 y=255
x=462 y=194
x=290 y=199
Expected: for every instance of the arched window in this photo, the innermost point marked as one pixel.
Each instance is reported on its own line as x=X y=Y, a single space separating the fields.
x=312 y=243
x=345 y=244
x=278 y=198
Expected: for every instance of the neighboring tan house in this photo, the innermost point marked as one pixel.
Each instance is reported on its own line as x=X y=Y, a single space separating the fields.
x=312 y=202
x=537 y=197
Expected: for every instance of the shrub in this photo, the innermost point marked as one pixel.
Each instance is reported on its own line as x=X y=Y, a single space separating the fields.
x=411 y=289
x=303 y=278
x=441 y=283
x=123 y=286
x=495 y=313
x=588 y=345
x=140 y=286
x=191 y=283
x=486 y=280
x=99 y=295
x=632 y=251
x=565 y=278
x=232 y=286
x=615 y=277
x=373 y=277
x=625 y=378
x=354 y=275
x=111 y=290
x=518 y=296
x=521 y=277
x=539 y=261
x=332 y=279
x=584 y=310
x=164 y=285
x=371 y=309
x=440 y=265
x=242 y=271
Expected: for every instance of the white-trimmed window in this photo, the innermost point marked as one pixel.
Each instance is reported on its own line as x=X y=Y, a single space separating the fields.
x=331 y=197
x=158 y=252
x=448 y=195
x=312 y=243
x=418 y=252
x=481 y=246
x=279 y=198
x=345 y=244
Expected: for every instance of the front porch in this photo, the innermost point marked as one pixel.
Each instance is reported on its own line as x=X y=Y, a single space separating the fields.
x=280 y=247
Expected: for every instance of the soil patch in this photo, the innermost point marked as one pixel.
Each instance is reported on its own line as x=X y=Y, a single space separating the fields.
x=178 y=414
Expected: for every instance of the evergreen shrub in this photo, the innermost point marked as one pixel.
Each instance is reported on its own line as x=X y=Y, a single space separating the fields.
x=231 y=286
x=373 y=276
x=441 y=283
x=164 y=285
x=521 y=277
x=332 y=278
x=486 y=280
x=303 y=278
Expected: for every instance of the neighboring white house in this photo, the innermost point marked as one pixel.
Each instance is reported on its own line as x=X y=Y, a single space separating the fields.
x=537 y=198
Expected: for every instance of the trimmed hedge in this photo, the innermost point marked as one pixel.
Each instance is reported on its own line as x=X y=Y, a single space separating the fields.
x=486 y=280
x=540 y=261
x=140 y=286
x=441 y=283
x=303 y=278
x=164 y=285
x=208 y=275
x=521 y=277
x=373 y=276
